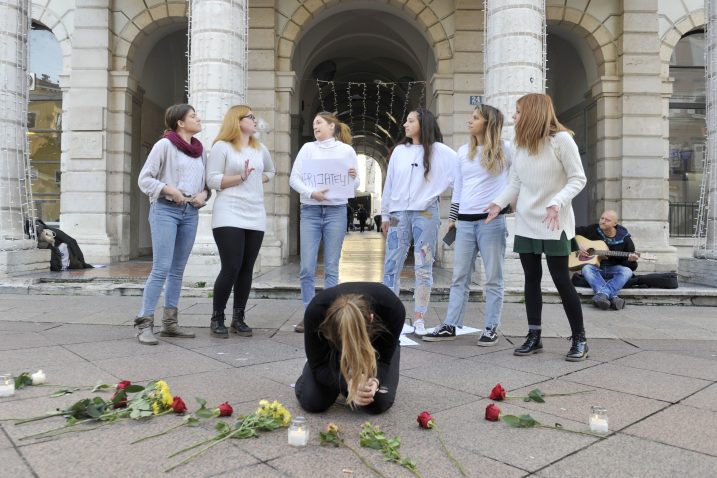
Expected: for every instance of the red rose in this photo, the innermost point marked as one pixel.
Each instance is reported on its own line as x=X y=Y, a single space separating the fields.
x=119 y=399
x=178 y=405
x=425 y=420
x=225 y=410
x=492 y=412
x=123 y=384
x=498 y=393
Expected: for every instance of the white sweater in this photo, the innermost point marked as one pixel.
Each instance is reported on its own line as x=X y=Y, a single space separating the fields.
x=406 y=189
x=326 y=150
x=553 y=177
x=474 y=187
x=241 y=205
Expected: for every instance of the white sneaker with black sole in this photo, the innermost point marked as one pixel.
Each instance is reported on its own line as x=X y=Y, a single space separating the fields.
x=439 y=334
x=419 y=327
x=488 y=338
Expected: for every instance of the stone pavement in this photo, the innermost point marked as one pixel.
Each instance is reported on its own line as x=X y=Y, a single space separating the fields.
x=653 y=367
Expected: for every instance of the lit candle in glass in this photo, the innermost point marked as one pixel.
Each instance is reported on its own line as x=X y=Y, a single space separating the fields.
x=7 y=385
x=298 y=432
x=598 y=420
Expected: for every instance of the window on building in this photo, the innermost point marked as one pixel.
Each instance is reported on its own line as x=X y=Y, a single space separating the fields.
x=687 y=131
x=44 y=121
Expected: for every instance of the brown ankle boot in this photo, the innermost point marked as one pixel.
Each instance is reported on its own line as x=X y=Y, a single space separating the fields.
x=170 y=325
x=145 y=333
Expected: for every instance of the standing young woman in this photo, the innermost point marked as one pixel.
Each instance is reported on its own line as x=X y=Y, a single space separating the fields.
x=323 y=214
x=173 y=178
x=419 y=170
x=546 y=175
x=237 y=168
x=481 y=174
x=351 y=343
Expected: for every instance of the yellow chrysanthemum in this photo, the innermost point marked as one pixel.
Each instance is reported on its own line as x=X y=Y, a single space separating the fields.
x=163 y=394
x=155 y=408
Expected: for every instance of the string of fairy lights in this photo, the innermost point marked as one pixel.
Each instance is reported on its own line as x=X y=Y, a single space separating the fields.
x=376 y=108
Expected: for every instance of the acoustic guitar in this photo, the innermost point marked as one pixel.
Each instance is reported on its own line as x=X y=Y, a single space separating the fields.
x=596 y=251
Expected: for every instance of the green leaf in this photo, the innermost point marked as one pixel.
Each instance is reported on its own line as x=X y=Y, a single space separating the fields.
x=536 y=395
x=526 y=421
x=191 y=421
x=204 y=413
x=222 y=427
x=23 y=380
x=202 y=403
x=511 y=420
x=61 y=393
x=134 y=388
x=100 y=386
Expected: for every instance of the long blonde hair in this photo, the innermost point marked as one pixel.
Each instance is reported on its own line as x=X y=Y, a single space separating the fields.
x=231 y=131
x=493 y=155
x=342 y=132
x=537 y=122
x=348 y=326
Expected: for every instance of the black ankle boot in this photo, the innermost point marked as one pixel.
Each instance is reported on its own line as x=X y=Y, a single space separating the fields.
x=532 y=344
x=238 y=325
x=217 y=327
x=579 y=350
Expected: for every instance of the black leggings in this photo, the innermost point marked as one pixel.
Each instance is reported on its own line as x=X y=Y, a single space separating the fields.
x=315 y=397
x=238 y=250
x=558 y=267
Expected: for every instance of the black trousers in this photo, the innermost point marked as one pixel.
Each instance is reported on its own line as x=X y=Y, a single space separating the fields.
x=238 y=250
x=558 y=267
x=315 y=397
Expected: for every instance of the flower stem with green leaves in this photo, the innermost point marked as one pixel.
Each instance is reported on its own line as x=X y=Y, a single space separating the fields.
x=445 y=449
x=332 y=437
x=371 y=436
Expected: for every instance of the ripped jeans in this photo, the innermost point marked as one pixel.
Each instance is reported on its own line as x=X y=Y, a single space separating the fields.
x=422 y=228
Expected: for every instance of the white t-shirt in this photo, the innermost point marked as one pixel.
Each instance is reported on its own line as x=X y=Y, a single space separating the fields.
x=474 y=187
x=241 y=205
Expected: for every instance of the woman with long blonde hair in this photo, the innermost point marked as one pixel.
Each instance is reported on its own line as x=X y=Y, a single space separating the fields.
x=351 y=342
x=237 y=168
x=481 y=174
x=323 y=211
x=546 y=175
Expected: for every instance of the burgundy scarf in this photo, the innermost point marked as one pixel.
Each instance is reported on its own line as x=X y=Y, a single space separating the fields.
x=194 y=149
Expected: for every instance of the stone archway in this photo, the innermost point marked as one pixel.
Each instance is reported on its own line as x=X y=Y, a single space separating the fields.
x=337 y=68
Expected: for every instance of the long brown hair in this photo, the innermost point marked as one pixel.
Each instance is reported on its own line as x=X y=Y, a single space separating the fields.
x=230 y=130
x=174 y=114
x=349 y=327
x=493 y=155
x=342 y=132
x=537 y=122
x=430 y=133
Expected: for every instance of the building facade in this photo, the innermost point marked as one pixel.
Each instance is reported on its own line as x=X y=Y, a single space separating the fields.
x=626 y=75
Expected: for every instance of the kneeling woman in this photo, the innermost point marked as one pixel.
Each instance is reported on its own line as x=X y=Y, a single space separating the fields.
x=351 y=341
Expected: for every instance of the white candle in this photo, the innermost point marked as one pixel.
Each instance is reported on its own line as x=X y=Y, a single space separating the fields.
x=598 y=425
x=298 y=436
x=7 y=385
x=38 y=378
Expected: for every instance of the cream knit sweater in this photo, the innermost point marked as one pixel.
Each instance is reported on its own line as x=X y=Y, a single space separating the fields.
x=553 y=177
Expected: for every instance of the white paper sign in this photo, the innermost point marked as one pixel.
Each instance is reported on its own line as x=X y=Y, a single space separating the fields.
x=332 y=175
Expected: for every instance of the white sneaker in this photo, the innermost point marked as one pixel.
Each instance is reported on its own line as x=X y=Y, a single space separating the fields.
x=419 y=327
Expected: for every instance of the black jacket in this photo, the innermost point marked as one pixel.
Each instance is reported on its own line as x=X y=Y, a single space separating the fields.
x=621 y=242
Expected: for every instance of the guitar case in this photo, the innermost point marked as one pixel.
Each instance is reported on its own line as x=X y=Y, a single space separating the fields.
x=655 y=280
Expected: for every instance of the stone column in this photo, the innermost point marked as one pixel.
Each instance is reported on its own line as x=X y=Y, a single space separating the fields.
x=514 y=54
x=708 y=247
x=18 y=251
x=639 y=177
x=217 y=80
x=514 y=63
x=88 y=204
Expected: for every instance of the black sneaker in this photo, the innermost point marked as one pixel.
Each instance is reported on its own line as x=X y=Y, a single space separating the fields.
x=444 y=332
x=488 y=338
x=601 y=301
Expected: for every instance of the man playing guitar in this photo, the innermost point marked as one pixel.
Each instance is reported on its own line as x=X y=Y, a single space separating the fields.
x=612 y=272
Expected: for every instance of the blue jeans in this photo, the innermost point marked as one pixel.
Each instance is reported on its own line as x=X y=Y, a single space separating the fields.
x=320 y=223
x=489 y=239
x=173 y=231
x=422 y=228
x=607 y=280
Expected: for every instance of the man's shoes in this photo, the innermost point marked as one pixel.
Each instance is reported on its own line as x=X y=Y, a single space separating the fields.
x=617 y=303
x=532 y=344
x=488 y=338
x=439 y=334
x=601 y=301
x=419 y=327
x=299 y=328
